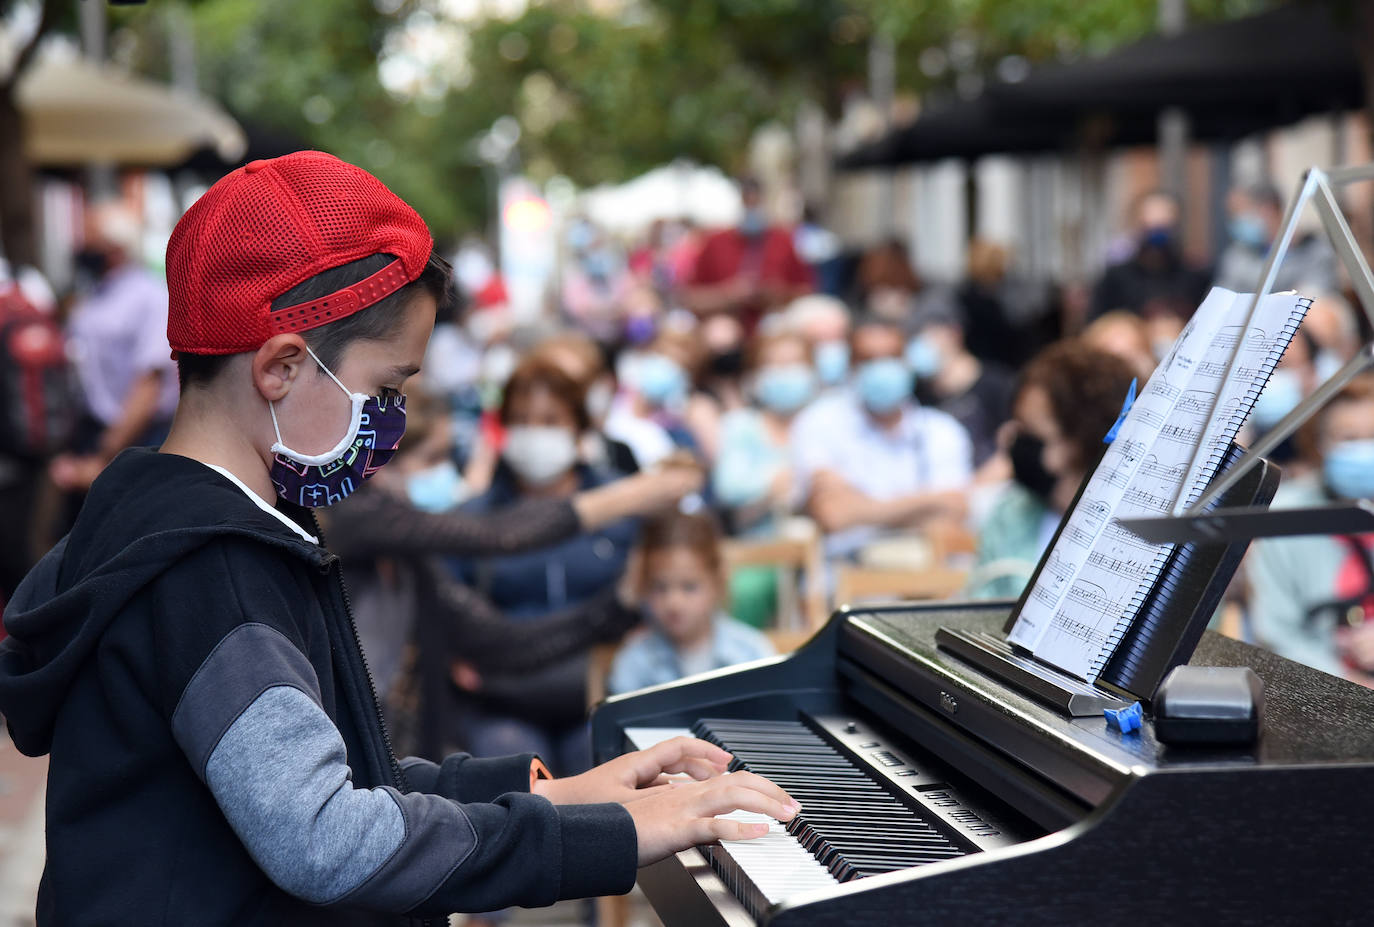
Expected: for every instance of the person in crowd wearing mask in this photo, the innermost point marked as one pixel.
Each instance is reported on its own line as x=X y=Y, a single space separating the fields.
x=583 y=361
x=414 y=618
x=187 y=654
x=1335 y=332
x=683 y=583
x=1255 y=214
x=876 y=459
x=595 y=280
x=1067 y=399
x=1157 y=279
x=950 y=378
x=544 y=415
x=824 y=322
x=653 y=416
x=752 y=476
x=117 y=339
x=1311 y=599
x=1292 y=380
x=747 y=270
x=886 y=285
x=1125 y=335
x=1005 y=315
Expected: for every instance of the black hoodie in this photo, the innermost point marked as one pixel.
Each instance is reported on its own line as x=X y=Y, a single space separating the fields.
x=217 y=757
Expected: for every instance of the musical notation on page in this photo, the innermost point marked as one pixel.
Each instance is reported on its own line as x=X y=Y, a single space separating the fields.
x=1097 y=573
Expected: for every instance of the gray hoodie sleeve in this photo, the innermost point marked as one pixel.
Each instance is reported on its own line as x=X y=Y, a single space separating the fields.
x=251 y=723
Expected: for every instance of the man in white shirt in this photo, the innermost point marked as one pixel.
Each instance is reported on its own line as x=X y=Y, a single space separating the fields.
x=871 y=458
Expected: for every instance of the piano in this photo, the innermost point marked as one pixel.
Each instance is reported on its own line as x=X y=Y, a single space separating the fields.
x=934 y=793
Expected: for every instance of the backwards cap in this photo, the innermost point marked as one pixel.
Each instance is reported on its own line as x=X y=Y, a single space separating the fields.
x=271 y=225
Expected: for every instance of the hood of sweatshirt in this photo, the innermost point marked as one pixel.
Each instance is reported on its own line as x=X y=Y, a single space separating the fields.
x=144 y=513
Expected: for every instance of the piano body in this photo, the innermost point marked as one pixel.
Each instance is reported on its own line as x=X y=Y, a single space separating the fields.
x=935 y=794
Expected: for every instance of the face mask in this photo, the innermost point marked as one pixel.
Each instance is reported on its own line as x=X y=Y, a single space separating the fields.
x=375 y=427
x=599 y=399
x=661 y=381
x=1160 y=347
x=498 y=363
x=639 y=329
x=91 y=263
x=883 y=384
x=539 y=454
x=754 y=223
x=785 y=389
x=1249 y=230
x=832 y=362
x=1348 y=469
x=923 y=357
x=1160 y=237
x=435 y=489
x=728 y=363
x=1280 y=396
x=1028 y=466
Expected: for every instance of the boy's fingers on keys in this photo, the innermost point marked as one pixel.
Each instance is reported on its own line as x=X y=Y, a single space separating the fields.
x=681 y=748
x=713 y=829
x=760 y=784
x=724 y=798
x=696 y=767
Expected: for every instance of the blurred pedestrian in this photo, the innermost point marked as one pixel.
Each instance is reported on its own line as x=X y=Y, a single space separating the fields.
x=1254 y=215
x=1157 y=279
x=948 y=377
x=873 y=459
x=117 y=337
x=1067 y=399
x=747 y=270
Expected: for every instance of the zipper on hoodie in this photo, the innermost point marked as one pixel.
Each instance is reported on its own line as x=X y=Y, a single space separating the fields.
x=397 y=774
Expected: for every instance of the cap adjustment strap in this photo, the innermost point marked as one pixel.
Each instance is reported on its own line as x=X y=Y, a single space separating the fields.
x=340 y=303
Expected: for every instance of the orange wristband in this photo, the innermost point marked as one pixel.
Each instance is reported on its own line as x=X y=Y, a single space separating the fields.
x=538 y=771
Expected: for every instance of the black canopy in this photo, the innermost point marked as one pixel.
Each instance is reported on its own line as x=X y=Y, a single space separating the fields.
x=1232 y=78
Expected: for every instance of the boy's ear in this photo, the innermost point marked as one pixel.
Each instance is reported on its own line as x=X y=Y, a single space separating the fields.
x=278 y=363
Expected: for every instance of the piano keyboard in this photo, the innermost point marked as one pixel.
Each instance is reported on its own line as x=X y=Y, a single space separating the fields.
x=850 y=825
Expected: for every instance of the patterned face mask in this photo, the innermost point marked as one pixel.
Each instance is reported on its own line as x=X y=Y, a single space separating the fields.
x=376 y=424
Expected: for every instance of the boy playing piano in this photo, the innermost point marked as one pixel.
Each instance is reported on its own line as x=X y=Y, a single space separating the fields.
x=187 y=656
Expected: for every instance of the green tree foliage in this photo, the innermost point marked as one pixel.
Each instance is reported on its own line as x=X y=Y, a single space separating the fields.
x=601 y=98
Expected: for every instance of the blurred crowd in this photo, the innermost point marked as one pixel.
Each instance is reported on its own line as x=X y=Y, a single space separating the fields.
x=589 y=502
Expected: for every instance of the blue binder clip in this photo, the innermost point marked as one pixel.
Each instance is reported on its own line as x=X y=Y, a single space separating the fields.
x=1125 y=719
x=1125 y=407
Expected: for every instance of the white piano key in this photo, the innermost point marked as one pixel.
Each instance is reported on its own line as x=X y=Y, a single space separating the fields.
x=776 y=863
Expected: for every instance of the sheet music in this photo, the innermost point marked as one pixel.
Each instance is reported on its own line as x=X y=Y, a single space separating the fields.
x=1098 y=573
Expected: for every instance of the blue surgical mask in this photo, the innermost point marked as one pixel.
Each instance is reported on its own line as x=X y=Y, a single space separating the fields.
x=660 y=380
x=1280 y=396
x=754 y=222
x=1249 y=230
x=923 y=357
x=883 y=384
x=1326 y=363
x=1348 y=469
x=832 y=362
x=786 y=388
x=435 y=489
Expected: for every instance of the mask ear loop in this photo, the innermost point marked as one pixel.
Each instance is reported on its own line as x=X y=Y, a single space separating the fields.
x=357 y=400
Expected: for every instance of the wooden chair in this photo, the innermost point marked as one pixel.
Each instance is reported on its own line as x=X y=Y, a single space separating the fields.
x=855 y=584
x=799 y=561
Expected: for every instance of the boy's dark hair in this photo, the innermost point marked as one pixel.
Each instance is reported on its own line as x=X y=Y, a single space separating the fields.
x=373 y=323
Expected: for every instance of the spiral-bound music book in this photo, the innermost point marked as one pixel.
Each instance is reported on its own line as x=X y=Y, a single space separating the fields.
x=1097 y=578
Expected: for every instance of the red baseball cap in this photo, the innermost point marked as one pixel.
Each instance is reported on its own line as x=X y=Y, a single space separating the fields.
x=271 y=225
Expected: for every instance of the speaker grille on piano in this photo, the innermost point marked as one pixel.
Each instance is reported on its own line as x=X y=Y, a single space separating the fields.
x=852 y=824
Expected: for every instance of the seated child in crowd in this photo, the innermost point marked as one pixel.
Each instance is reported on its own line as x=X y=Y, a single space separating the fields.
x=682 y=578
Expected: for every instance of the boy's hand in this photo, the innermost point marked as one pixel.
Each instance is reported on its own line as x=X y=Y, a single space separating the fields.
x=637 y=775
x=684 y=814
